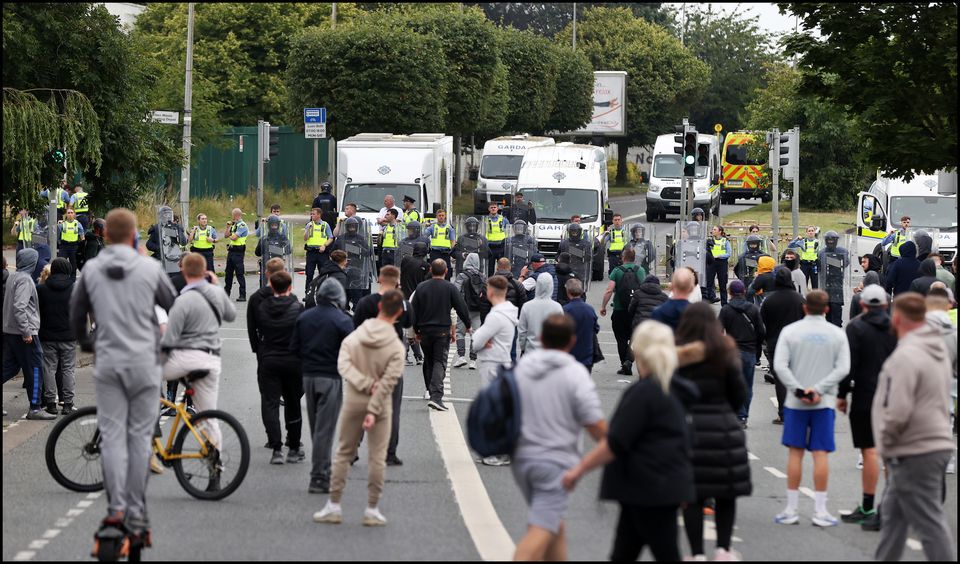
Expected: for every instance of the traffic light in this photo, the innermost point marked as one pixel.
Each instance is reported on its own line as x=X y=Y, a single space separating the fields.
x=690 y=152
x=55 y=159
x=274 y=143
x=703 y=155
x=678 y=139
x=789 y=157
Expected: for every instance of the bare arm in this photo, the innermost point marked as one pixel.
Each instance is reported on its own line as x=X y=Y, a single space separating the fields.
x=600 y=455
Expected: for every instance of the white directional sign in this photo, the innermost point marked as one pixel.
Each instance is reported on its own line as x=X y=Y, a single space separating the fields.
x=160 y=116
x=315 y=123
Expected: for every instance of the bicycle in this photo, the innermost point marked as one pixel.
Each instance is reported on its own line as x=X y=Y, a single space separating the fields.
x=73 y=449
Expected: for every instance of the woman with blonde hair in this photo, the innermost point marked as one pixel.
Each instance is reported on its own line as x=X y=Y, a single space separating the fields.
x=647 y=451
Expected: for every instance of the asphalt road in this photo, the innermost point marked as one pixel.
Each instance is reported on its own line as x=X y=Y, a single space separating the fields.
x=428 y=501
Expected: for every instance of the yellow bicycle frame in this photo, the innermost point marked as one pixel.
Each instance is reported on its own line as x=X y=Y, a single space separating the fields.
x=182 y=416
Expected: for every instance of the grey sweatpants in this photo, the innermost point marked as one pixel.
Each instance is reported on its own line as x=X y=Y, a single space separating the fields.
x=59 y=359
x=462 y=334
x=914 y=498
x=324 y=397
x=128 y=405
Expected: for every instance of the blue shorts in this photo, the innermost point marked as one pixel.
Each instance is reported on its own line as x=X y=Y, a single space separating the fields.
x=811 y=429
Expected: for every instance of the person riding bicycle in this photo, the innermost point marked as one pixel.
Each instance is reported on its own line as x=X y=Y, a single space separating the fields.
x=119 y=289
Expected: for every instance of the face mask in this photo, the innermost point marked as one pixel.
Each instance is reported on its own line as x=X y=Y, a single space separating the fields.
x=791 y=263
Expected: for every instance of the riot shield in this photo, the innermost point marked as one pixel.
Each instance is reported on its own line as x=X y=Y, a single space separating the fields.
x=274 y=244
x=520 y=246
x=642 y=241
x=40 y=236
x=471 y=238
x=580 y=248
x=691 y=246
x=169 y=234
x=359 y=255
x=834 y=272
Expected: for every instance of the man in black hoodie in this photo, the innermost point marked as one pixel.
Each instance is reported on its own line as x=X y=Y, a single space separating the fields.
x=56 y=337
x=335 y=269
x=646 y=299
x=781 y=308
x=564 y=272
x=903 y=272
x=871 y=342
x=278 y=372
x=926 y=275
x=741 y=320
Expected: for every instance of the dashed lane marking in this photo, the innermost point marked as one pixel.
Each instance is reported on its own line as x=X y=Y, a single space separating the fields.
x=775 y=472
x=61 y=523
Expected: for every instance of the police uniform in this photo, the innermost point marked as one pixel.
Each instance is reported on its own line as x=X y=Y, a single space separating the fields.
x=617 y=238
x=235 y=251
x=203 y=243
x=442 y=238
x=70 y=234
x=320 y=235
x=496 y=236
x=719 y=248
x=809 y=259
x=389 y=245
x=25 y=227
x=81 y=205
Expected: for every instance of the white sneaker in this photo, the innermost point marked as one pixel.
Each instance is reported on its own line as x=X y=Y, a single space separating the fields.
x=825 y=520
x=951 y=466
x=496 y=460
x=787 y=518
x=473 y=365
x=373 y=518
x=329 y=514
x=860 y=461
x=459 y=362
x=426 y=395
x=695 y=558
x=722 y=555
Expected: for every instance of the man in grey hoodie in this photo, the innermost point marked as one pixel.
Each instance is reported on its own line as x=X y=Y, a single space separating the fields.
x=470 y=284
x=493 y=341
x=534 y=312
x=119 y=289
x=21 y=323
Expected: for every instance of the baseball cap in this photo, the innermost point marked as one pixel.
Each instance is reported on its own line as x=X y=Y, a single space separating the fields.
x=737 y=288
x=873 y=295
x=537 y=258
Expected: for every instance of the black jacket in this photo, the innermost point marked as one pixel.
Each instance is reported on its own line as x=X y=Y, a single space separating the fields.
x=901 y=274
x=413 y=271
x=870 y=342
x=651 y=440
x=329 y=270
x=645 y=300
x=317 y=337
x=781 y=308
x=515 y=294
x=253 y=302
x=720 y=465
x=276 y=318
x=432 y=303
x=927 y=275
x=368 y=308
x=741 y=320
x=53 y=297
x=525 y=212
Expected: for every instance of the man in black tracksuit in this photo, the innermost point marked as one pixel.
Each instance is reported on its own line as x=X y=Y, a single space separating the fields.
x=781 y=308
x=741 y=320
x=431 y=310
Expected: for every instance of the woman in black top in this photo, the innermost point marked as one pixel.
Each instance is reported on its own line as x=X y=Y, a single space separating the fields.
x=709 y=359
x=646 y=451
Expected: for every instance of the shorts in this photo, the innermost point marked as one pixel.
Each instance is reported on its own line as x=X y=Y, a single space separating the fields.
x=862 y=429
x=541 y=484
x=811 y=429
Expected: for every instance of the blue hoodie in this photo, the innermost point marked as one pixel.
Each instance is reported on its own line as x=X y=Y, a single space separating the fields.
x=585 y=318
x=903 y=271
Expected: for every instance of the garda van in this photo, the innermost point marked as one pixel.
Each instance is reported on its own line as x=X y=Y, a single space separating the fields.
x=741 y=173
x=666 y=178
x=500 y=167
x=560 y=181
x=929 y=199
x=373 y=165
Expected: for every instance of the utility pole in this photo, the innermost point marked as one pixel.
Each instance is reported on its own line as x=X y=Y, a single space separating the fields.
x=333 y=15
x=774 y=164
x=263 y=134
x=574 y=26
x=683 y=21
x=187 y=119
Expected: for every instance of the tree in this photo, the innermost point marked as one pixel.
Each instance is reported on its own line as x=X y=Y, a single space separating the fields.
x=837 y=169
x=378 y=78
x=80 y=47
x=664 y=80
x=532 y=79
x=573 y=107
x=550 y=19
x=895 y=69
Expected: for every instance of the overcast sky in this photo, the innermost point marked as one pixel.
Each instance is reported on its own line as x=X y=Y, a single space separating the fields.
x=770 y=17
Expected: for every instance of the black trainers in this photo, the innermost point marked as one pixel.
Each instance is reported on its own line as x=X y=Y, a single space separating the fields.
x=871 y=522
x=68 y=408
x=318 y=486
x=295 y=455
x=777 y=421
x=624 y=369
x=356 y=457
x=769 y=379
x=437 y=405
x=51 y=409
x=392 y=460
x=858 y=515
x=242 y=299
x=277 y=457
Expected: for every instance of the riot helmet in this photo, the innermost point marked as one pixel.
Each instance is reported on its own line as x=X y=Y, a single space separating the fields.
x=472 y=225
x=695 y=212
x=351 y=226
x=753 y=243
x=413 y=229
x=165 y=215
x=693 y=230
x=831 y=239
x=574 y=231
x=637 y=231
x=326 y=187
x=273 y=225
x=419 y=249
x=520 y=227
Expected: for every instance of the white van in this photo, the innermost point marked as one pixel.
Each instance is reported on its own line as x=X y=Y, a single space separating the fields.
x=929 y=199
x=500 y=167
x=372 y=165
x=666 y=176
x=560 y=181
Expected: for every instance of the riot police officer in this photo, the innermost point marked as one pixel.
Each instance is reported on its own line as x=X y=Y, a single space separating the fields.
x=521 y=246
x=581 y=252
x=355 y=241
x=645 y=248
x=413 y=237
x=325 y=199
x=834 y=265
x=165 y=239
x=274 y=243
x=471 y=241
x=746 y=268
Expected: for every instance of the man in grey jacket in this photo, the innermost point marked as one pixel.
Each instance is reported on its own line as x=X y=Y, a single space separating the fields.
x=119 y=289
x=192 y=338
x=534 y=312
x=811 y=358
x=21 y=323
x=493 y=341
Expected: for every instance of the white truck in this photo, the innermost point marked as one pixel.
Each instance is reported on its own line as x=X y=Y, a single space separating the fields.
x=563 y=180
x=929 y=200
x=373 y=165
x=666 y=177
x=499 y=168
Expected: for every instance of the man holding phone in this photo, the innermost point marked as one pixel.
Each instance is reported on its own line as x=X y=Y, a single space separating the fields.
x=811 y=358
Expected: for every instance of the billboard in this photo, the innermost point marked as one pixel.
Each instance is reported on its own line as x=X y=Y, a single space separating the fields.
x=609 y=105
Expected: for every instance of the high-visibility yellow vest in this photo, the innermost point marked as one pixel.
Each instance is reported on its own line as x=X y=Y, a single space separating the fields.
x=389 y=238
x=62 y=197
x=411 y=215
x=318 y=237
x=81 y=206
x=719 y=246
x=809 y=252
x=70 y=232
x=898 y=240
x=952 y=314
x=26 y=229
x=495 y=233
x=202 y=238
x=240 y=241
x=441 y=237
x=617 y=240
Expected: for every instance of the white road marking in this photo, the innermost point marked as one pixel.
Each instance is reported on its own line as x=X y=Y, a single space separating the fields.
x=38 y=544
x=95 y=495
x=773 y=400
x=807 y=492
x=25 y=555
x=63 y=522
x=50 y=533
x=445 y=399
x=85 y=503
x=74 y=512
x=775 y=472
x=752 y=456
x=914 y=544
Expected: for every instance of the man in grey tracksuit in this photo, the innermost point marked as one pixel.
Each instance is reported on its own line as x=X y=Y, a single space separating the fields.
x=533 y=314
x=119 y=289
x=493 y=341
x=21 y=323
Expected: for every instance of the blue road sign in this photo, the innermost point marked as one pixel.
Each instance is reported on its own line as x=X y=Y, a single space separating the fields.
x=314 y=115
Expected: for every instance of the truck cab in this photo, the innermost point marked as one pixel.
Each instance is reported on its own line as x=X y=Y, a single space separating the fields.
x=666 y=178
x=741 y=173
x=500 y=167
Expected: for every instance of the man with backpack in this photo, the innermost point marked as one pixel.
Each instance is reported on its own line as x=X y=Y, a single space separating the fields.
x=625 y=280
x=471 y=284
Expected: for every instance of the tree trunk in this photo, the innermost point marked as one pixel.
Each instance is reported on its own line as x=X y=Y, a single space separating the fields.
x=622 y=161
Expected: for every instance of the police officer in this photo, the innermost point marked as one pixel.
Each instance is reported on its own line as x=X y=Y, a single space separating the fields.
x=202 y=238
x=496 y=235
x=834 y=261
x=237 y=232
x=389 y=240
x=696 y=214
x=720 y=249
x=355 y=243
x=410 y=213
x=809 y=256
x=442 y=236
x=259 y=224
x=70 y=234
x=522 y=211
x=325 y=198
x=746 y=268
x=317 y=237
x=23 y=229
x=646 y=249
x=413 y=237
x=470 y=241
x=616 y=235
x=274 y=243
x=81 y=205
x=520 y=247
x=580 y=251
x=897 y=237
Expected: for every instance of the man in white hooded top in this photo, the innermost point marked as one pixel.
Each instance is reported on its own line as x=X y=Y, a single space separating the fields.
x=534 y=312
x=493 y=341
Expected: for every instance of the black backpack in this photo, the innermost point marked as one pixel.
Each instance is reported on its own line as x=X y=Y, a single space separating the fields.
x=628 y=284
x=494 y=420
x=473 y=290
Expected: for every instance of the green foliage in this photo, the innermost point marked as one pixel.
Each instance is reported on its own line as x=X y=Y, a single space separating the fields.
x=894 y=66
x=832 y=168
x=574 y=99
x=532 y=79
x=633 y=173
x=378 y=78
x=549 y=19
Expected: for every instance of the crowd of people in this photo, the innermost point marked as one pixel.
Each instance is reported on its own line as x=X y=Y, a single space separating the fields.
x=674 y=446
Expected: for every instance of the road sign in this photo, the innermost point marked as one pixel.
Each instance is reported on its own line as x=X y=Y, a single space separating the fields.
x=315 y=115
x=718 y=128
x=160 y=116
x=315 y=123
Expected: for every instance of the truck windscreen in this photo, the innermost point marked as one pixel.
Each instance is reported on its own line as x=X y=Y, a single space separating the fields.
x=501 y=167
x=369 y=197
x=558 y=204
x=737 y=155
x=926 y=211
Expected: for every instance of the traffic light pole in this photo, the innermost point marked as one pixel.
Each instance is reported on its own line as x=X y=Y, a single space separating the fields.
x=262 y=133
x=795 y=203
x=187 y=125
x=775 y=173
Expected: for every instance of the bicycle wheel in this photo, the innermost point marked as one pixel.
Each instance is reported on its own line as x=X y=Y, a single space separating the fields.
x=73 y=451
x=221 y=472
